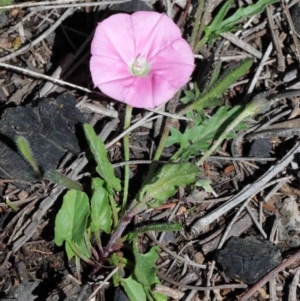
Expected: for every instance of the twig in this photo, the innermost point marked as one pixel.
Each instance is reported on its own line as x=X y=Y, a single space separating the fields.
x=291 y=24
x=243 y=45
x=36 y=218
x=201 y=266
x=270 y=275
x=280 y=57
x=43 y=76
x=42 y=3
x=258 y=71
x=103 y=283
x=255 y=159
x=65 y=15
x=202 y=288
x=256 y=222
x=145 y=119
x=247 y=192
x=39 y=8
x=293 y=286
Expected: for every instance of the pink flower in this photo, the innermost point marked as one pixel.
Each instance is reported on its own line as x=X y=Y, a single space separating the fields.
x=140 y=59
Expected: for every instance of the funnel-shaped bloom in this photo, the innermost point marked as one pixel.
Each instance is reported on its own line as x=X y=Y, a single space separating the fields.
x=140 y=59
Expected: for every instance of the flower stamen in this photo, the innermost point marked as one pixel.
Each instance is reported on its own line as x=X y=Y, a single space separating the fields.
x=140 y=67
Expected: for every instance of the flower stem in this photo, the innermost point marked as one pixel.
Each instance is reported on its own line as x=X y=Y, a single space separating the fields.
x=126 y=157
x=113 y=206
x=160 y=148
x=197 y=23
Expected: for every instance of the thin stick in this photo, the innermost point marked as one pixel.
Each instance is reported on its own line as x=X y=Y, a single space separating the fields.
x=247 y=192
x=39 y=8
x=202 y=288
x=43 y=76
x=42 y=3
x=103 y=282
x=270 y=275
x=65 y=15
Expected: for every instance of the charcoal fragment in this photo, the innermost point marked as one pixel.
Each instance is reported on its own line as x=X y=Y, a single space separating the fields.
x=49 y=128
x=248 y=259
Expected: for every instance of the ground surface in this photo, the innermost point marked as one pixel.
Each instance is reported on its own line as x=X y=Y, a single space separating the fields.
x=55 y=42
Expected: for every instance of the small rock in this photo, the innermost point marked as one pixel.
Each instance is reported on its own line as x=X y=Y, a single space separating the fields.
x=4 y=20
x=260 y=148
x=120 y=295
x=248 y=259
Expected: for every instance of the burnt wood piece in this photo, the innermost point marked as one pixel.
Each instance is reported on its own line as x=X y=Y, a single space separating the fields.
x=49 y=127
x=248 y=259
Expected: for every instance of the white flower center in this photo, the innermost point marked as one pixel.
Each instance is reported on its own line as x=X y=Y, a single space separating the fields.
x=140 y=67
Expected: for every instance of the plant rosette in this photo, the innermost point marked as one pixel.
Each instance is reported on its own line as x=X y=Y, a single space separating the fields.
x=140 y=59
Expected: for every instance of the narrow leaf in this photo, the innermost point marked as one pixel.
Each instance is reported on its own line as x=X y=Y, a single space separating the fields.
x=11 y=205
x=216 y=23
x=60 y=179
x=162 y=227
x=100 y=208
x=104 y=167
x=229 y=78
x=247 y=12
x=24 y=148
x=167 y=180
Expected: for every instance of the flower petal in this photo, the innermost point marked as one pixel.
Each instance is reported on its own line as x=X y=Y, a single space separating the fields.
x=140 y=93
x=121 y=39
x=117 y=89
x=175 y=63
x=163 y=90
x=104 y=70
x=114 y=38
x=153 y=32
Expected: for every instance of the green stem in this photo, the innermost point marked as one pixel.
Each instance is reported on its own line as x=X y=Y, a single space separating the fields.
x=114 y=211
x=202 y=24
x=126 y=157
x=200 y=44
x=160 y=148
x=215 y=92
x=77 y=252
x=245 y=114
x=197 y=23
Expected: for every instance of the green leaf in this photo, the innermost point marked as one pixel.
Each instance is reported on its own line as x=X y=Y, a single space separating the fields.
x=205 y=184
x=199 y=138
x=216 y=23
x=100 y=208
x=4 y=3
x=24 y=148
x=166 y=182
x=161 y=227
x=159 y=297
x=247 y=12
x=60 y=179
x=113 y=260
x=104 y=167
x=189 y=97
x=214 y=77
x=220 y=25
x=71 y=220
x=133 y=289
x=226 y=80
x=145 y=268
x=11 y=205
x=69 y=250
